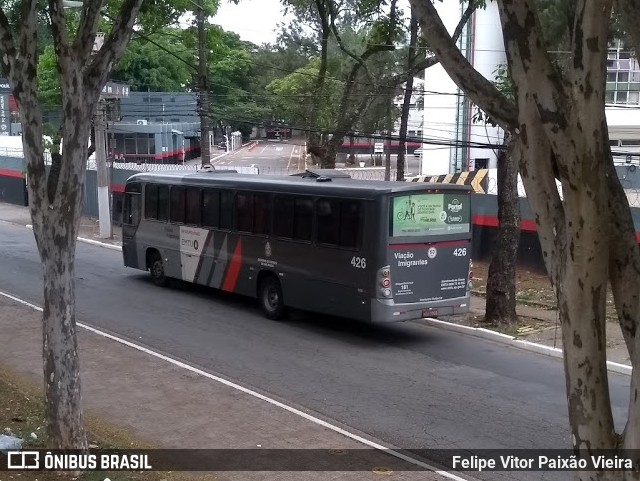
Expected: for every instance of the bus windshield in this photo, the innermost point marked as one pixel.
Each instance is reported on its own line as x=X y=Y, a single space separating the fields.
x=430 y=214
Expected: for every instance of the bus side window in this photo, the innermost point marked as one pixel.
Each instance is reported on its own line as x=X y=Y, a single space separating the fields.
x=226 y=210
x=163 y=203
x=151 y=201
x=328 y=221
x=261 y=214
x=303 y=219
x=283 y=216
x=210 y=208
x=193 y=216
x=244 y=212
x=131 y=209
x=177 y=204
x=350 y=223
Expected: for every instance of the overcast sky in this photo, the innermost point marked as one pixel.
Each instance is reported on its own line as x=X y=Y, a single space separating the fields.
x=254 y=20
x=257 y=20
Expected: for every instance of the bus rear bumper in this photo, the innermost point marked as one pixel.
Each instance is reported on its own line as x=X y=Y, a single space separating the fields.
x=385 y=310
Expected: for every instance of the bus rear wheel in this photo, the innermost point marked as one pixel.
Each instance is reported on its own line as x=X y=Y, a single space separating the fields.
x=270 y=298
x=156 y=269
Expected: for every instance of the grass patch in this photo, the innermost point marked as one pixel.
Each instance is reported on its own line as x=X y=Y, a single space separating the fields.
x=21 y=414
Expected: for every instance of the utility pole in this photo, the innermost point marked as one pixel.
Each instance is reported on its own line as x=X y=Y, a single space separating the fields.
x=205 y=143
x=104 y=211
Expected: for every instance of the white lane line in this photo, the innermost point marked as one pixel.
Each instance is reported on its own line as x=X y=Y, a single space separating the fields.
x=255 y=394
x=293 y=151
x=264 y=148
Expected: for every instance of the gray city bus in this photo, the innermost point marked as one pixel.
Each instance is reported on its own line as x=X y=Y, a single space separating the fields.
x=367 y=250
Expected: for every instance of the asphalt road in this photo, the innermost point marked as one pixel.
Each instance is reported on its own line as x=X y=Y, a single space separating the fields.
x=276 y=157
x=408 y=384
x=282 y=157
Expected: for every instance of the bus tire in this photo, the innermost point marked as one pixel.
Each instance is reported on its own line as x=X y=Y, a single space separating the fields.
x=156 y=269
x=270 y=298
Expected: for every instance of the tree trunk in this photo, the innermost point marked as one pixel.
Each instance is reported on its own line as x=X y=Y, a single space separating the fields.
x=501 y=281
x=63 y=403
x=328 y=155
x=352 y=156
x=408 y=93
x=55 y=205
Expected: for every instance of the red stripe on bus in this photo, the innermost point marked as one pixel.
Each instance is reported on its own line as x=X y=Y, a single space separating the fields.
x=492 y=221
x=11 y=173
x=425 y=245
x=231 y=279
x=117 y=188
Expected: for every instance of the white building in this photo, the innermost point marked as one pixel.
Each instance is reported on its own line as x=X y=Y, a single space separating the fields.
x=452 y=137
x=416 y=110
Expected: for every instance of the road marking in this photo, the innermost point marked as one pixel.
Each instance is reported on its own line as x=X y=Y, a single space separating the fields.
x=293 y=151
x=251 y=392
x=264 y=148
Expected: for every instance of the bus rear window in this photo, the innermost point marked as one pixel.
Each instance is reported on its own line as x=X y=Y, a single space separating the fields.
x=430 y=214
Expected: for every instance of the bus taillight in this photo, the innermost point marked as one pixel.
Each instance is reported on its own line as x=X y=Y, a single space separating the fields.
x=384 y=284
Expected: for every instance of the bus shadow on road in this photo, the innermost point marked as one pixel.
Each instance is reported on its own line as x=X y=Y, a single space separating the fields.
x=358 y=332
x=342 y=329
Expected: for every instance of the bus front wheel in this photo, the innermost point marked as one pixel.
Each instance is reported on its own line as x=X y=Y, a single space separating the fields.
x=156 y=269
x=270 y=298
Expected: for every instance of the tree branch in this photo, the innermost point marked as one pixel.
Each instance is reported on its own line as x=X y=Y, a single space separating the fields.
x=114 y=45
x=589 y=44
x=343 y=47
x=523 y=43
x=480 y=90
x=87 y=29
x=433 y=60
x=60 y=38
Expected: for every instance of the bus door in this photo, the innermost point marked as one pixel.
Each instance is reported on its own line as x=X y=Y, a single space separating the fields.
x=131 y=214
x=429 y=252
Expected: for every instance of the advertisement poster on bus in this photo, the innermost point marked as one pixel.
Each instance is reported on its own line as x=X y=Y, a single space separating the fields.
x=431 y=214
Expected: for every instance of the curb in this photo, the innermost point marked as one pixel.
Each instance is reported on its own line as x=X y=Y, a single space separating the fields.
x=515 y=342
x=89 y=241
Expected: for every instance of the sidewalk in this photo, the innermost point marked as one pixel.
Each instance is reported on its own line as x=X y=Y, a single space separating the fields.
x=542 y=326
x=167 y=406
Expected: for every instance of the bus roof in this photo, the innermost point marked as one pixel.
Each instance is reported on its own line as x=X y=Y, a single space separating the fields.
x=323 y=184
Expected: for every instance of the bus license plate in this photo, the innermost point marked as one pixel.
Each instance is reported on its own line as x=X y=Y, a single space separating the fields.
x=429 y=312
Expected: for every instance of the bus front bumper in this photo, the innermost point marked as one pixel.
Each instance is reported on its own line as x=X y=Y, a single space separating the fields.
x=385 y=310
